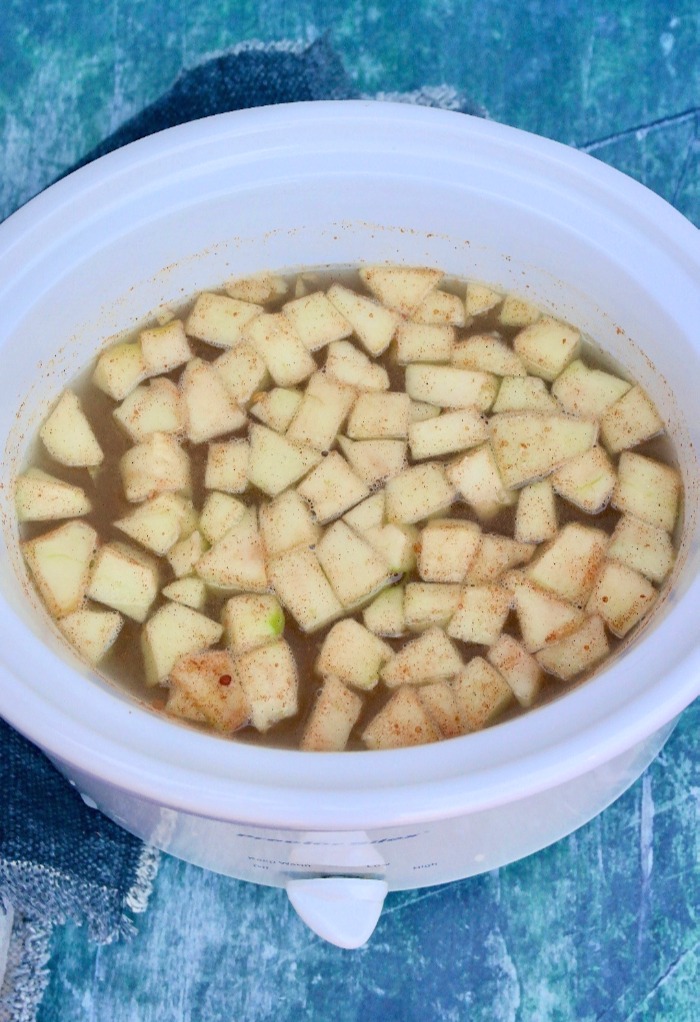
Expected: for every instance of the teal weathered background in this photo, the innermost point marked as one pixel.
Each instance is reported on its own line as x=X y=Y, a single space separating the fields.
x=618 y=77
x=602 y=927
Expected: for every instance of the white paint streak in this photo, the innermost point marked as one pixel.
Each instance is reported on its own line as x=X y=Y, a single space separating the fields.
x=507 y=1001
x=646 y=858
x=646 y=829
x=586 y=66
x=666 y=41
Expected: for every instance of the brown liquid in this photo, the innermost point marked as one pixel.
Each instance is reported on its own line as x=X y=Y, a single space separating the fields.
x=124 y=664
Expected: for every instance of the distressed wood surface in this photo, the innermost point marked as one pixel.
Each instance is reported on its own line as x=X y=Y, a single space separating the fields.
x=603 y=926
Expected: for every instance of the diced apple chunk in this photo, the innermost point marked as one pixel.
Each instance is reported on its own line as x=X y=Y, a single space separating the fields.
x=367 y=515
x=587 y=392
x=158 y=465
x=427 y=604
x=301 y=288
x=517 y=311
x=252 y=620
x=421 y=342
x=621 y=596
x=495 y=556
x=180 y=704
x=417 y=493
x=163 y=314
x=317 y=321
x=302 y=587
x=587 y=480
x=645 y=548
x=209 y=680
x=524 y=394
x=125 y=579
x=450 y=387
x=164 y=348
x=547 y=346
x=447 y=550
x=569 y=566
x=190 y=591
x=277 y=342
x=151 y=408
x=536 y=514
x=396 y=544
x=40 y=497
x=119 y=369
x=243 y=373
x=277 y=407
x=332 y=488
x=543 y=618
x=384 y=615
x=185 y=554
x=268 y=675
x=374 y=461
x=420 y=411
x=400 y=287
x=578 y=652
x=227 y=466
x=287 y=522
x=403 y=722
x=220 y=319
x=477 y=478
x=480 y=299
x=379 y=416
x=520 y=670
x=630 y=421
x=274 y=463
x=439 y=700
x=92 y=632
x=527 y=446
x=237 y=560
x=158 y=523
x=322 y=412
x=447 y=433
x=261 y=288
x=440 y=308
x=480 y=615
x=67 y=435
x=353 y=654
x=481 y=692
x=174 y=631
x=429 y=657
x=220 y=512
x=333 y=717
x=348 y=365
x=648 y=490
x=487 y=353
x=60 y=565
x=209 y=411
x=353 y=567
x=373 y=325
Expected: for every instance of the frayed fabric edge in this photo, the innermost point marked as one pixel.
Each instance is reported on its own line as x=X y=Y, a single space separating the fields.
x=7 y=915
x=444 y=97
x=139 y=893
x=25 y=944
x=26 y=975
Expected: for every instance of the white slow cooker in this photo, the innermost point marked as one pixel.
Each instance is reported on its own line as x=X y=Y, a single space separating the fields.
x=312 y=184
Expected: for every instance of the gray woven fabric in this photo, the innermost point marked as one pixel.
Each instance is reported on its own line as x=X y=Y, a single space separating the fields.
x=59 y=861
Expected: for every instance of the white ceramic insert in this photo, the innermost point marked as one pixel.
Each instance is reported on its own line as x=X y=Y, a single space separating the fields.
x=313 y=184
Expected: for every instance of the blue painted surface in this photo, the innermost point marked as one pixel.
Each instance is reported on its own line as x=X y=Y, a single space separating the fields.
x=601 y=927
x=604 y=925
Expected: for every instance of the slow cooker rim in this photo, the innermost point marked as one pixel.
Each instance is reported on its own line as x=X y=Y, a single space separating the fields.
x=49 y=733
